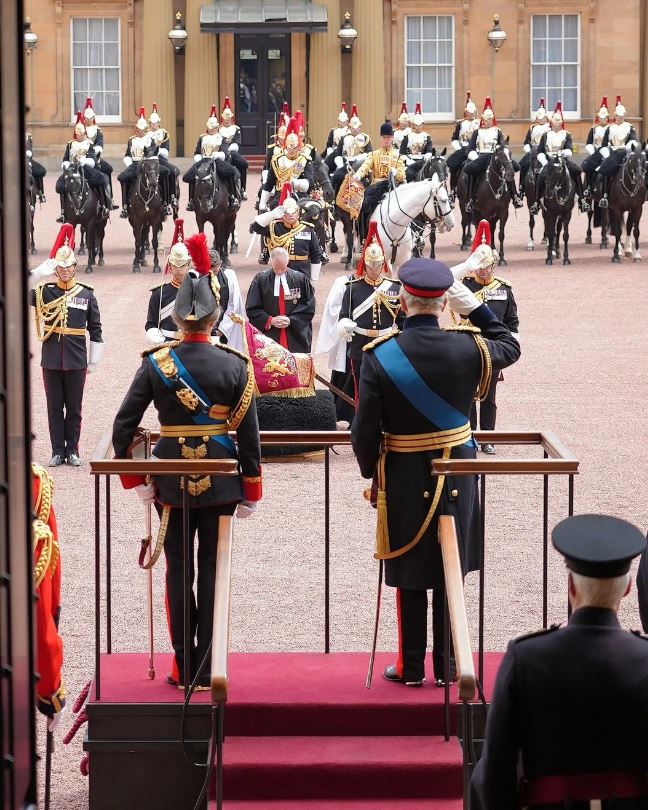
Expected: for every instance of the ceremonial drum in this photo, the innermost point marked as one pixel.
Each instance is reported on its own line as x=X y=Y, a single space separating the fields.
x=350 y=196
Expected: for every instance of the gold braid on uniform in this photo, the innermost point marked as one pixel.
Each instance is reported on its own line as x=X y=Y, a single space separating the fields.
x=487 y=367
x=49 y=553
x=43 y=505
x=241 y=407
x=285 y=240
x=52 y=316
x=215 y=288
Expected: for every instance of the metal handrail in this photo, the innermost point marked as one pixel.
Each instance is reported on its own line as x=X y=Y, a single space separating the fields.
x=466 y=680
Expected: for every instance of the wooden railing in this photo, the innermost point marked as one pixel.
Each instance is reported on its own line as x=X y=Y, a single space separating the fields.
x=221 y=627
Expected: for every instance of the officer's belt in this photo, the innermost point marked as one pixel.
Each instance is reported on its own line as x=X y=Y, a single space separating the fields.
x=177 y=431
x=584 y=787
x=373 y=333
x=168 y=333
x=294 y=258
x=68 y=330
x=427 y=442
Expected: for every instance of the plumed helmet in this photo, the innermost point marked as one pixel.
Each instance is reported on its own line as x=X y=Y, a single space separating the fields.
x=470 y=107
x=488 y=115
x=619 y=109
x=79 y=126
x=199 y=252
x=154 y=117
x=354 y=120
x=481 y=245
x=372 y=254
x=227 y=111
x=64 y=257
x=142 y=123
x=212 y=121
x=292 y=140
x=179 y=255
x=417 y=118
x=88 y=112
x=343 y=116
x=404 y=115
x=541 y=112
x=603 y=113
x=65 y=238
x=557 y=115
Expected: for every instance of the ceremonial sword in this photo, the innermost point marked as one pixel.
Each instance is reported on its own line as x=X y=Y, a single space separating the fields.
x=376 y=623
x=147 y=543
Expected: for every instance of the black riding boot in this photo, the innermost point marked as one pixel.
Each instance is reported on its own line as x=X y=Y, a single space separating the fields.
x=113 y=204
x=190 y=205
x=264 y=256
x=106 y=202
x=587 y=191
x=469 y=194
x=124 y=191
x=516 y=199
x=540 y=188
x=41 y=189
x=582 y=202
x=234 y=188
x=603 y=202
x=61 y=217
x=523 y=175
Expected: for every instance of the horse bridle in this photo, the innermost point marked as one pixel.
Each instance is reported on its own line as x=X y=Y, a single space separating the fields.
x=437 y=221
x=638 y=181
x=146 y=202
x=554 y=192
x=84 y=196
x=502 y=178
x=211 y=177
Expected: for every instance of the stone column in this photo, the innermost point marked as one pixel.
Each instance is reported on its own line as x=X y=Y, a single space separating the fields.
x=201 y=76
x=325 y=78
x=158 y=65
x=368 y=82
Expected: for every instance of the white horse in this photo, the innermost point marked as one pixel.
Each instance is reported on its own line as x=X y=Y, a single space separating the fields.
x=397 y=210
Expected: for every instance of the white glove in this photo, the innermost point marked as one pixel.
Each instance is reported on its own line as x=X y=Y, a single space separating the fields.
x=300 y=185
x=460 y=271
x=146 y=493
x=233 y=147
x=472 y=155
x=88 y=162
x=516 y=335
x=329 y=150
x=219 y=156
x=542 y=158
x=163 y=151
x=589 y=148
x=264 y=176
x=456 y=145
x=245 y=509
x=357 y=177
x=267 y=217
x=263 y=202
x=605 y=152
x=197 y=158
x=28 y=152
x=481 y=257
x=65 y=164
x=392 y=172
x=427 y=156
x=345 y=328
x=461 y=299
x=46 y=268
x=527 y=147
x=630 y=145
x=54 y=722
x=91 y=368
x=128 y=161
x=96 y=353
x=315 y=271
x=154 y=336
x=98 y=149
x=566 y=152
x=339 y=161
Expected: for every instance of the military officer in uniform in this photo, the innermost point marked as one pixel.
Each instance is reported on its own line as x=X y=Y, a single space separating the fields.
x=497 y=293
x=339 y=131
x=403 y=128
x=482 y=144
x=533 y=137
x=37 y=169
x=160 y=325
x=201 y=392
x=352 y=150
x=65 y=310
x=50 y=689
x=80 y=153
x=139 y=145
x=461 y=136
x=168 y=172
x=282 y=227
x=382 y=164
x=230 y=132
x=619 y=139
x=416 y=146
x=96 y=136
x=566 y=724
x=292 y=165
x=557 y=141
x=416 y=392
x=210 y=148
x=281 y=303
x=593 y=146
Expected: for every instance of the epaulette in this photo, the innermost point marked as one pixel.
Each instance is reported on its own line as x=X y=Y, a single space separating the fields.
x=463 y=327
x=229 y=349
x=503 y=281
x=538 y=633
x=157 y=286
x=377 y=341
x=83 y=284
x=169 y=344
x=639 y=634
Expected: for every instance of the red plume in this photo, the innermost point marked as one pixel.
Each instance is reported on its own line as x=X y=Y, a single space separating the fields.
x=155 y=109
x=482 y=235
x=178 y=232
x=65 y=237
x=285 y=109
x=542 y=103
x=354 y=111
x=88 y=105
x=372 y=233
x=343 y=107
x=79 y=120
x=199 y=252
x=299 y=117
x=559 y=109
x=226 y=104
x=142 y=112
x=418 y=110
x=293 y=128
x=604 y=102
x=286 y=192
x=618 y=100
x=403 y=107
x=213 y=112
x=488 y=106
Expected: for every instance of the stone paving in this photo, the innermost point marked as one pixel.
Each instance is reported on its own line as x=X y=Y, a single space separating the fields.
x=583 y=375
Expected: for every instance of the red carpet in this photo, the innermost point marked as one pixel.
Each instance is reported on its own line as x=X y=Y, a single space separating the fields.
x=343 y=804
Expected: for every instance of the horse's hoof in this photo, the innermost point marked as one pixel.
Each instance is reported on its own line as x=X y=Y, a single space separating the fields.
x=566 y=261
x=604 y=244
x=101 y=262
x=465 y=247
x=637 y=257
x=616 y=260
x=147 y=250
x=34 y=251
x=234 y=250
x=144 y=263
x=530 y=245
x=88 y=269
x=548 y=261
x=333 y=248
x=156 y=268
x=81 y=252
x=502 y=263
x=588 y=240
x=136 y=268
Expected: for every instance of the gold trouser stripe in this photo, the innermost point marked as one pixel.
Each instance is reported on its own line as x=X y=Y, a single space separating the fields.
x=68 y=330
x=422 y=442
x=177 y=431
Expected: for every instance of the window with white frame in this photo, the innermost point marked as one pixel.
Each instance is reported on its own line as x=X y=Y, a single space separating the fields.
x=555 y=62
x=429 y=65
x=94 y=48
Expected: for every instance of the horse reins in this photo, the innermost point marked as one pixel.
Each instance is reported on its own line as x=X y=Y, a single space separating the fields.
x=146 y=202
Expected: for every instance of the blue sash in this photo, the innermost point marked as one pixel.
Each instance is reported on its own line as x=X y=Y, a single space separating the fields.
x=416 y=391
x=200 y=417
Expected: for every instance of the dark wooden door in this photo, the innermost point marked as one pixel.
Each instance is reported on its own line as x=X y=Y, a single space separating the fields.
x=263 y=84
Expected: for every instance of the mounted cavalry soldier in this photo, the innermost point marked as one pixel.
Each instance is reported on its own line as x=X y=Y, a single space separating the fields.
x=416 y=146
x=279 y=139
x=593 y=146
x=80 y=153
x=483 y=143
x=139 y=145
x=533 y=138
x=37 y=169
x=619 y=139
x=282 y=227
x=403 y=128
x=416 y=391
x=291 y=165
x=382 y=164
x=96 y=136
x=461 y=136
x=201 y=392
x=558 y=142
x=210 y=149
x=230 y=132
x=168 y=172
x=65 y=310
x=351 y=150
x=339 y=131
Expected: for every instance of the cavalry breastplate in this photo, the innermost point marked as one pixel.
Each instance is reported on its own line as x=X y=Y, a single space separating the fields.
x=416 y=142
x=210 y=144
x=91 y=132
x=354 y=145
x=339 y=132
x=598 y=135
x=138 y=146
x=618 y=134
x=466 y=130
x=227 y=133
x=487 y=139
x=286 y=169
x=556 y=141
x=399 y=134
x=79 y=149
x=537 y=131
x=159 y=136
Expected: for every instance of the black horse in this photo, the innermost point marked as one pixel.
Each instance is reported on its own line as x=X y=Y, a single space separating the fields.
x=557 y=206
x=81 y=207
x=438 y=165
x=627 y=194
x=317 y=207
x=492 y=198
x=146 y=210
x=529 y=191
x=211 y=204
